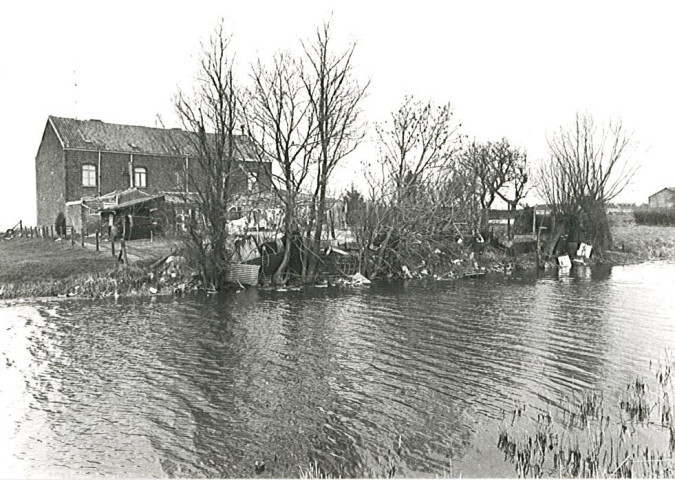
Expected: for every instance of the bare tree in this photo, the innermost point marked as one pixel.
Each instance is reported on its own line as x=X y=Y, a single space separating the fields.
x=411 y=204
x=334 y=97
x=282 y=125
x=495 y=170
x=417 y=144
x=210 y=114
x=588 y=167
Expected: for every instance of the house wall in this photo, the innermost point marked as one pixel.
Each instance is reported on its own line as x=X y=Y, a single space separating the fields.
x=79 y=216
x=238 y=178
x=50 y=178
x=663 y=199
x=74 y=161
x=114 y=172
x=161 y=172
x=59 y=175
x=74 y=217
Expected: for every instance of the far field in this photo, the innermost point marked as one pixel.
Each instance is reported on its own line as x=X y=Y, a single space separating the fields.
x=647 y=242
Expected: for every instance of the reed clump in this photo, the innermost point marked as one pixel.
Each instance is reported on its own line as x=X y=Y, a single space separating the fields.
x=121 y=281
x=584 y=439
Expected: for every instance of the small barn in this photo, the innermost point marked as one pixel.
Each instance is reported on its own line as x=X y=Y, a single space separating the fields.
x=664 y=198
x=137 y=218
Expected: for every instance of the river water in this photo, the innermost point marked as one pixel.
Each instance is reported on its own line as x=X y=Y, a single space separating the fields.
x=356 y=380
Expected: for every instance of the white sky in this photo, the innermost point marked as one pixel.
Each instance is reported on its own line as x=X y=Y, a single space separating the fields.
x=510 y=69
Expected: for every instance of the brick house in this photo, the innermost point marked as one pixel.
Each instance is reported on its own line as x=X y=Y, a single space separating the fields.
x=664 y=198
x=86 y=159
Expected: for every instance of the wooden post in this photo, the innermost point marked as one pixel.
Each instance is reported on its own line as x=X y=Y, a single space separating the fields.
x=97 y=241
x=21 y=227
x=112 y=244
x=72 y=236
x=31 y=232
x=124 y=240
x=151 y=235
x=82 y=238
x=539 y=257
x=51 y=229
x=124 y=251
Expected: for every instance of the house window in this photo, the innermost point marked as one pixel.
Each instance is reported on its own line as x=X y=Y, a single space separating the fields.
x=140 y=177
x=88 y=175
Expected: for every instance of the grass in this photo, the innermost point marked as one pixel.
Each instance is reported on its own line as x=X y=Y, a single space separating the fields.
x=31 y=260
x=42 y=267
x=645 y=242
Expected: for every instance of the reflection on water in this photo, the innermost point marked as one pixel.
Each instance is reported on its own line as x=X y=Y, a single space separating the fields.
x=356 y=380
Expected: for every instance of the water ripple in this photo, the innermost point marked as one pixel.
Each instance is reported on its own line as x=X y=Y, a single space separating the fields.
x=352 y=379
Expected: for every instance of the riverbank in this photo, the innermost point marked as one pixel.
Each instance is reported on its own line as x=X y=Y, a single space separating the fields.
x=32 y=268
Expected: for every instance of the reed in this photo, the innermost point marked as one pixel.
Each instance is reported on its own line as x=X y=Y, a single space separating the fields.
x=583 y=440
x=313 y=471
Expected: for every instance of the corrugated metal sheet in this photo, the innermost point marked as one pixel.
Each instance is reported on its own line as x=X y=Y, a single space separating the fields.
x=111 y=137
x=241 y=273
x=134 y=202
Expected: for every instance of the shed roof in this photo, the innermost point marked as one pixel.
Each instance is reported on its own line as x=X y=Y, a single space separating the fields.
x=133 y=203
x=111 y=137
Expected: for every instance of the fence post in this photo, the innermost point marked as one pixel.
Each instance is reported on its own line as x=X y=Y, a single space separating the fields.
x=31 y=232
x=21 y=227
x=112 y=243
x=51 y=229
x=124 y=251
x=82 y=238
x=72 y=236
x=97 y=241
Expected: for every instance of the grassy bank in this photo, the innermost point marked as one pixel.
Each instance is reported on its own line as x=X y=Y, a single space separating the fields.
x=34 y=260
x=47 y=268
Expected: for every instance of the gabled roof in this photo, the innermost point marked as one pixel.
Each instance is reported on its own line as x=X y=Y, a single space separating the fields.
x=671 y=189
x=110 y=137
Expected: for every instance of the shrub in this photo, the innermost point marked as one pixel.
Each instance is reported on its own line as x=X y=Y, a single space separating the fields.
x=655 y=216
x=60 y=224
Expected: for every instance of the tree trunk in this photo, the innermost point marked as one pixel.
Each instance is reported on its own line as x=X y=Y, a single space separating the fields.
x=280 y=277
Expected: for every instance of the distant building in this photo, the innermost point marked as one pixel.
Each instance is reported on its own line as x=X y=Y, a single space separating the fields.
x=663 y=199
x=79 y=160
x=621 y=208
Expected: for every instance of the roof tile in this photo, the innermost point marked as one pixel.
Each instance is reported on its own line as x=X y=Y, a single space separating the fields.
x=111 y=137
